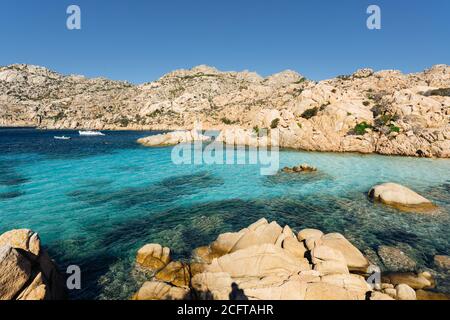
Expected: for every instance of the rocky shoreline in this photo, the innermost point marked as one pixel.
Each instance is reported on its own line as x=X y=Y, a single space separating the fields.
x=384 y=112
x=268 y=262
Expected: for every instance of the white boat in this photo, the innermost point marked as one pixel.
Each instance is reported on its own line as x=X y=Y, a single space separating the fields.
x=90 y=133
x=62 y=138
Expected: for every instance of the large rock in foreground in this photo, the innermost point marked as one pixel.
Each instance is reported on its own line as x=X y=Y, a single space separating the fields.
x=400 y=197
x=26 y=270
x=268 y=262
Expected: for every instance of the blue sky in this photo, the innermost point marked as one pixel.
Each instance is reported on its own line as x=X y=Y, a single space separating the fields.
x=139 y=41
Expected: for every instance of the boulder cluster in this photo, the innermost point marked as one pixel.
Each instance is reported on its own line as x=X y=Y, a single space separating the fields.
x=266 y=261
x=26 y=270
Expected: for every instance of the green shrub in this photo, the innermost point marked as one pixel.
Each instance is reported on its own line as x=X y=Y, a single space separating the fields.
x=300 y=81
x=256 y=129
x=385 y=119
x=59 y=116
x=299 y=125
x=360 y=128
x=444 y=92
x=366 y=103
x=155 y=113
x=274 y=123
x=324 y=106
x=226 y=120
x=124 y=122
x=393 y=128
x=309 y=113
x=344 y=77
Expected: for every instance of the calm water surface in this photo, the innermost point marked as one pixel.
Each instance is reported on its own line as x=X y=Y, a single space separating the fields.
x=96 y=200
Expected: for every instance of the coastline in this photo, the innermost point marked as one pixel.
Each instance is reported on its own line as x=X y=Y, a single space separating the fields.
x=166 y=129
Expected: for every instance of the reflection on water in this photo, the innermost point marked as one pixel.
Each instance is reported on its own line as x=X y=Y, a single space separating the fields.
x=96 y=201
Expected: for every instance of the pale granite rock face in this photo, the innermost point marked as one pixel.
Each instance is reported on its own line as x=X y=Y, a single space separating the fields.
x=407 y=113
x=173 y=138
x=15 y=270
x=26 y=270
x=400 y=197
x=24 y=239
x=156 y=290
x=153 y=256
x=275 y=264
x=405 y=292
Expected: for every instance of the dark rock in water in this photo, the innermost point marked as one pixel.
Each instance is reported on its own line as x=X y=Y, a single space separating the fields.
x=430 y=295
x=10 y=195
x=395 y=259
x=301 y=168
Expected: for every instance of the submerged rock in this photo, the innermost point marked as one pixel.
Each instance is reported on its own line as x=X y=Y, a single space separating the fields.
x=301 y=168
x=400 y=197
x=442 y=262
x=26 y=270
x=430 y=295
x=415 y=281
x=395 y=259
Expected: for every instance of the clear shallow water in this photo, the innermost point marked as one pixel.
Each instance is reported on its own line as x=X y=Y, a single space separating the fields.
x=96 y=200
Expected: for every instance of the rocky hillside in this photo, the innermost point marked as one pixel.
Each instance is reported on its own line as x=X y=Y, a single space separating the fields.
x=385 y=112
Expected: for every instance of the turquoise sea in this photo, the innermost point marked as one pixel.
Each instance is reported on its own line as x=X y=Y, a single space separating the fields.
x=96 y=200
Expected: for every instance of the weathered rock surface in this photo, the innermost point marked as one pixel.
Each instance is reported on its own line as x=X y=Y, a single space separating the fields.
x=405 y=292
x=353 y=257
x=26 y=270
x=385 y=112
x=266 y=261
x=415 y=281
x=176 y=273
x=156 y=290
x=153 y=256
x=400 y=197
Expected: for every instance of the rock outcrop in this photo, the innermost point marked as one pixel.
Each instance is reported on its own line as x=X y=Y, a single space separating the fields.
x=400 y=197
x=266 y=261
x=300 y=168
x=386 y=112
x=173 y=138
x=26 y=270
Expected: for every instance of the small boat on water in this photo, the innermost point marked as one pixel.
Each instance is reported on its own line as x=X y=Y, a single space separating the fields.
x=62 y=138
x=90 y=133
